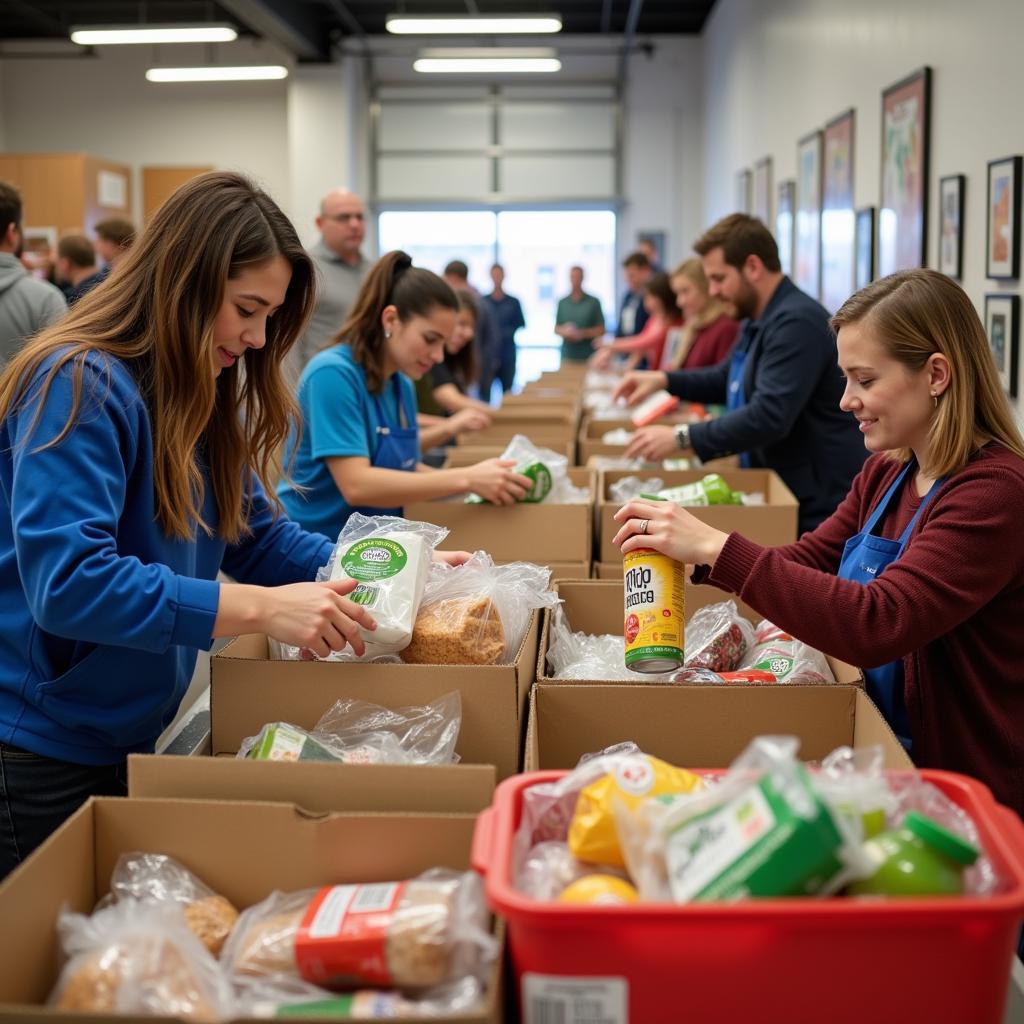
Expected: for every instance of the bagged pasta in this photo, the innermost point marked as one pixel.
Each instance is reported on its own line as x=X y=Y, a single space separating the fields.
x=548 y=470
x=140 y=958
x=477 y=613
x=407 y=935
x=717 y=638
x=157 y=878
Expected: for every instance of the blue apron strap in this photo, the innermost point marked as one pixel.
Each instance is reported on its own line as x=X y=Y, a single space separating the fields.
x=883 y=506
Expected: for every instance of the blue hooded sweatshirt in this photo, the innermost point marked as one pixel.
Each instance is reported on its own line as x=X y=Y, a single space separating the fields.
x=101 y=613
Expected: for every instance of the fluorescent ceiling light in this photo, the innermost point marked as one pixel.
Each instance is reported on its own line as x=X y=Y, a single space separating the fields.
x=481 y=65
x=217 y=74
x=504 y=24
x=111 y=35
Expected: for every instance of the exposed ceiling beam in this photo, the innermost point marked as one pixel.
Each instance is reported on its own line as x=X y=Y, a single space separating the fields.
x=292 y=26
x=38 y=17
x=606 y=17
x=632 y=20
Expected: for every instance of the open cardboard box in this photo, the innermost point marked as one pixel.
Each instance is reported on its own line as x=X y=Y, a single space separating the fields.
x=542 y=533
x=596 y=607
x=544 y=433
x=248 y=690
x=772 y=524
x=700 y=726
x=462 y=455
x=242 y=850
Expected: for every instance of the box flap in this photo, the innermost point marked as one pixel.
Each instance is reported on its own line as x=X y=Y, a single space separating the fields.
x=871 y=728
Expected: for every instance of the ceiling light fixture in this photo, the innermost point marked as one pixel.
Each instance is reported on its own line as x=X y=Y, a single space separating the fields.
x=261 y=72
x=503 y=60
x=503 y=24
x=116 y=35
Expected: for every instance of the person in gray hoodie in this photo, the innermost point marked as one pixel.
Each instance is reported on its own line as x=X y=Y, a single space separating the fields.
x=26 y=304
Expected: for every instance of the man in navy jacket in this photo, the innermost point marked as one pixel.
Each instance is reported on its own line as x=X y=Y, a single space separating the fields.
x=781 y=384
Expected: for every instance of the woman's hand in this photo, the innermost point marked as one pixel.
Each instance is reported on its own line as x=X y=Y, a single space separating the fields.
x=640 y=384
x=316 y=616
x=653 y=444
x=452 y=558
x=602 y=358
x=496 y=481
x=468 y=420
x=670 y=529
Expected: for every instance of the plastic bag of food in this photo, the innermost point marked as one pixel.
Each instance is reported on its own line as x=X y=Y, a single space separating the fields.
x=788 y=659
x=618 y=436
x=711 y=490
x=547 y=869
x=717 y=638
x=764 y=830
x=574 y=655
x=161 y=879
x=630 y=487
x=282 y=996
x=477 y=613
x=614 y=462
x=408 y=935
x=548 y=470
x=706 y=677
x=282 y=741
x=140 y=958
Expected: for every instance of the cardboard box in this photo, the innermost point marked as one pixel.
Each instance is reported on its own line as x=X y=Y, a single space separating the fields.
x=538 y=392
x=590 y=444
x=469 y=455
x=541 y=533
x=242 y=850
x=543 y=434
x=772 y=524
x=608 y=570
x=700 y=726
x=248 y=690
x=569 y=571
x=596 y=606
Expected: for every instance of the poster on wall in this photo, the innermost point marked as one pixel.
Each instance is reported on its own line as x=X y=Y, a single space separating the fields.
x=1001 y=325
x=837 y=219
x=951 y=225
x=784 y=224
x=864 y=263
x=112 y=190
x=744 y=188
x=762 y=207
x=807 y=268
x=1002 y=255
x=902 y=228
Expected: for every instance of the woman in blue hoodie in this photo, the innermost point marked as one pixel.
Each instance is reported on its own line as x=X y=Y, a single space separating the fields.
x=135 y=457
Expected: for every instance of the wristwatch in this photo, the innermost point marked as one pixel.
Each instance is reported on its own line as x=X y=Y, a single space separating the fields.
x=683 y=436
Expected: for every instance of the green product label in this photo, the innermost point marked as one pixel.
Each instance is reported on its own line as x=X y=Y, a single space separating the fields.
x=777 y=838
x=376 y=558
x=340 y=1008
x=654 y=651
x=778 y=664
x=541 y=477
x=282 y=742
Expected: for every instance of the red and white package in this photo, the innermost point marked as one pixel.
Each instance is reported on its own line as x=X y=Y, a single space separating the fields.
x=661 y=403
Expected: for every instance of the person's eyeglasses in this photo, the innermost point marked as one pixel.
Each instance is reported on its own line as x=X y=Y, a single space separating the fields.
x=341 y=218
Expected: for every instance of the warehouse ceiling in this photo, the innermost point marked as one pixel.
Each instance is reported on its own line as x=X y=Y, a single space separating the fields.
x=308 y=28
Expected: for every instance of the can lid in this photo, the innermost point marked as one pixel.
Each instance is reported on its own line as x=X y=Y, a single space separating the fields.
x=952 y=845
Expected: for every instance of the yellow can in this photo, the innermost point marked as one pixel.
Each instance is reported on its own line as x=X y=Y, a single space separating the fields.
x=654 y=628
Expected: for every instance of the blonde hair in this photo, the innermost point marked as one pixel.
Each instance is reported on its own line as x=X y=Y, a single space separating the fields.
x=156 y=312
x=917 y=314
x=714 y=308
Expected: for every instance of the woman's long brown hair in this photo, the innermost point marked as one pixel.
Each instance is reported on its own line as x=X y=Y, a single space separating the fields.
x=156 y=312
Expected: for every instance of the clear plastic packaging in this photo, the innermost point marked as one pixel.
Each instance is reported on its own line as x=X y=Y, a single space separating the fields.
x=547 y=869
x=788 y=659
x=140 y=958
x=614 y=462
x=618 y=436
x=477 y=613
x=562 y=492
x=410 y=935
x=630 y=487
x=157 y=878
x=390 y=557
x=573 y=655
x=717 y=638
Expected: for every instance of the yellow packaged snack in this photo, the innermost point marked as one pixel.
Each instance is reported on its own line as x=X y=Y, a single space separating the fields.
x=599 y=891
x=592 y=833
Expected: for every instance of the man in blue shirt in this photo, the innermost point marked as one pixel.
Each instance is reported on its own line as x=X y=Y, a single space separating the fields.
x=508 y=313
x=781 y=384
x=632 y=315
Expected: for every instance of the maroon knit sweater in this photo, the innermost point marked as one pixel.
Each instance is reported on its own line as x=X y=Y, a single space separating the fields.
x=952 y=608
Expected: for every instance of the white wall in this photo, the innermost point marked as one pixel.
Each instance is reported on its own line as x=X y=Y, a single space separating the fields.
x=774 y=71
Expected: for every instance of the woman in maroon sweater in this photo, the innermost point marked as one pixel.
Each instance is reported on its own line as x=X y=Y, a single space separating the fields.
x=919 y=574
x=708 y=332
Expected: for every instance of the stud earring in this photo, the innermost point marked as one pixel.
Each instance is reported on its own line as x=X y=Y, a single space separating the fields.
x=387 y=335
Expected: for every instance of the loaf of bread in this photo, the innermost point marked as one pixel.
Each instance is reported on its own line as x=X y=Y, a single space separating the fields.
x=211 y=920
x=458 y=631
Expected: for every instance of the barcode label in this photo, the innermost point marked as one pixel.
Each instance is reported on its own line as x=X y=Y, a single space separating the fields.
x=552 y=999
x=371 y=899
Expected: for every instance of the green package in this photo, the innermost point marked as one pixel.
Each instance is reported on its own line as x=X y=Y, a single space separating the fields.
x=283 y=742
x=538 y=473
x=777 y=837
x=367 y=1005
x=712 y=490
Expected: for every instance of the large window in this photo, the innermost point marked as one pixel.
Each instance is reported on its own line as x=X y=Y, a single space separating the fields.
x=536 y=248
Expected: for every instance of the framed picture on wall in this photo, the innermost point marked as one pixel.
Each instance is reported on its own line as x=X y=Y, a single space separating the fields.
x=1002 y=249
x=762 y=206
x=864 y=262
x=906 y=120
x=807 y=260
x=784 y=208
x=837 y=220
x=744 y=190
x=951 y=225
x=1001 y=324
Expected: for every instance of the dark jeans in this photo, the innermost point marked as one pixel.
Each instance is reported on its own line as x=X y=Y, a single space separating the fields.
x=37 y=794
x=507 y=366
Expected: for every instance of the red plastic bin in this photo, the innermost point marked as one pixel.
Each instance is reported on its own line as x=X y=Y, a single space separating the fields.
x=923 y=961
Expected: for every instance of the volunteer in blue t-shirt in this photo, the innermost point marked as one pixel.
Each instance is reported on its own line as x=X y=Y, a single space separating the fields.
x=358 y=447
x=134 y=456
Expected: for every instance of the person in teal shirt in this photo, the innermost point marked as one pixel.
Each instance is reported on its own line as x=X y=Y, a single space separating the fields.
x=579 y=320
x=358 y=449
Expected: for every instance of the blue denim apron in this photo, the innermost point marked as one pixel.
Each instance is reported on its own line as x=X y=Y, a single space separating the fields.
x=865 y=558
x=397 y=446
x=736 y=395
